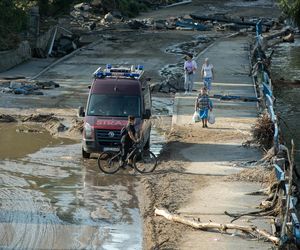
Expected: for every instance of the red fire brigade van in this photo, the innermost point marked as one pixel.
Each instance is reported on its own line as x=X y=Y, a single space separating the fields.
x=116 y=93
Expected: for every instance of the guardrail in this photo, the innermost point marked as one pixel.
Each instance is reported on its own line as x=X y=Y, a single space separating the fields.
x=290 y=226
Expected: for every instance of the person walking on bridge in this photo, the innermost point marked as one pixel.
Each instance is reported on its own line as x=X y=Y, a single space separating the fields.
x=203 y=104
x=207 y=74
x=190 y=67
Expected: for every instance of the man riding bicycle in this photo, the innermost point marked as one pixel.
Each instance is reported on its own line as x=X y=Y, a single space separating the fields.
x=128 y=139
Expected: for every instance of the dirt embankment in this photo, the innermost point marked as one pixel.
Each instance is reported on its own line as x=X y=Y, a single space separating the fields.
x=59 y=126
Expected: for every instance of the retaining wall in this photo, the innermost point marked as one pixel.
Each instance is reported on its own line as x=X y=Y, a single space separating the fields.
x=11 y=58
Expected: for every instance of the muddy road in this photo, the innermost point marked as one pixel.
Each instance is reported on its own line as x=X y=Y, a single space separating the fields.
x=50 y=198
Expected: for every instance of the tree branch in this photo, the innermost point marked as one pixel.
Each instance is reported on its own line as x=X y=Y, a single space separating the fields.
x=212 y=225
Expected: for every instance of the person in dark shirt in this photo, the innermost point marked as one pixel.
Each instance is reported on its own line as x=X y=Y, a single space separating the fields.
x=128 y=139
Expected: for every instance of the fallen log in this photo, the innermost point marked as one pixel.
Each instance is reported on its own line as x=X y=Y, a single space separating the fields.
x=212 y=225
x=284 y=32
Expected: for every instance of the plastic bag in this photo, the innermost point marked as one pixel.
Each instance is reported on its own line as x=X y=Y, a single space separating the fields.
x=211 y=118
x=196 y=117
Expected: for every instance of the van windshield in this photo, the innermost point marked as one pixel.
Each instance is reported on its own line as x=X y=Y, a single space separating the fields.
x=113 y=105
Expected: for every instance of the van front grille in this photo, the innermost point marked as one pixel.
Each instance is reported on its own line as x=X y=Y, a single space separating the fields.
x=105 y=135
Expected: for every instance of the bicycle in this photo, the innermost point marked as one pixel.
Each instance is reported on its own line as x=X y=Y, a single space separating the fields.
x=143 y=160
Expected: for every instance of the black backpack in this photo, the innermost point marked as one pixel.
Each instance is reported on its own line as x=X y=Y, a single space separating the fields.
x=124 y=131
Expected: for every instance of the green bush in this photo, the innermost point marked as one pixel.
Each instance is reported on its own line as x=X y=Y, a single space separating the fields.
x=13 y=20
x=292 y=9
x=131 y=8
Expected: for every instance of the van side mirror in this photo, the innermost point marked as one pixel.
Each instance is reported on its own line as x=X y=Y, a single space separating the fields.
x=147 y=114
x=89 y=87
x=81 y=112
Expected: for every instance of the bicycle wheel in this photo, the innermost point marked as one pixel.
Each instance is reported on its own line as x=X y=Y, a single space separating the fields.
x=108 y=162
x=145 y=162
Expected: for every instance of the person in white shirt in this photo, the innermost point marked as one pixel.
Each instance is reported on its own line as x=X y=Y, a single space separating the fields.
x=207 y=74
x=190 y=67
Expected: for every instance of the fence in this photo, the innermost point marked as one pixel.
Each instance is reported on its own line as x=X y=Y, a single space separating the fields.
x=290 y=225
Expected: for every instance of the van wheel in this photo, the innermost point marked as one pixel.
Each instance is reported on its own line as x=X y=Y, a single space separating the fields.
x=85 y=154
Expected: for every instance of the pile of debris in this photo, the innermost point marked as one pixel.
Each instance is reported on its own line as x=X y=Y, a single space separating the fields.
x=172 y=83
x=26 y=87
x=94 y=15
x=172 y=23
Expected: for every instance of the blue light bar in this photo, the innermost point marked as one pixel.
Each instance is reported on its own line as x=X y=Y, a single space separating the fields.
x=102 y=74
x=131 y=74
x=134 y=72
x=139 y=67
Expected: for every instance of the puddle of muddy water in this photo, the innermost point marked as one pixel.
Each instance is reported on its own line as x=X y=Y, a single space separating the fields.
x=162 y=105
x=18 y=140
x=53 y=199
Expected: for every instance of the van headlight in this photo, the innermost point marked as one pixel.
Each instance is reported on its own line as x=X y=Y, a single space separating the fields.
x=88 y=131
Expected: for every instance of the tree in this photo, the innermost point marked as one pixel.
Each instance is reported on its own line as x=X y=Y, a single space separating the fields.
x=292 y=9
x=13 y=20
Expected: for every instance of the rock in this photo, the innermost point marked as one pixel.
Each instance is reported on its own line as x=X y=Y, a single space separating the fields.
x=135 y=24
x=82 y=6
x=160 y=24
x=65 y=44
x=92 y=25
x=155 y=87
x=15 y=85
x=47 y=84
x=55 y=127
x=7 y=118
x=77 y=127
x=165 y=88
x=176 y=81
x=109 y=17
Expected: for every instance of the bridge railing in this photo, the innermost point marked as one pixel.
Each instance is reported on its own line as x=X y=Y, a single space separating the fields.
x=264 y=84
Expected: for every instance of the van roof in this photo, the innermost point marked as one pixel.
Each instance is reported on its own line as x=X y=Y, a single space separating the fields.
x=116 y=86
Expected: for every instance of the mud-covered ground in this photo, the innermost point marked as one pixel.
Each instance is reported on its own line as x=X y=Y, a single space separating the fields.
x=86 y=200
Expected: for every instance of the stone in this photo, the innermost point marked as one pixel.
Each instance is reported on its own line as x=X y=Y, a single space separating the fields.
x=155 y=87
x=160 y=24
x=7 y=118
x=15 y=85
x=109 y=17
x=135 y=24
x=82 y=6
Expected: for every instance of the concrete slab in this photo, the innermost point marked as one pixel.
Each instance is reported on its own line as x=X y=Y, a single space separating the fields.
x=28 y=69
x=209 y=204
x=216 y=158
